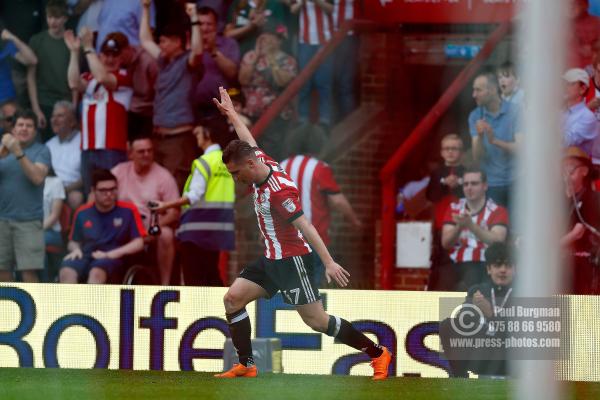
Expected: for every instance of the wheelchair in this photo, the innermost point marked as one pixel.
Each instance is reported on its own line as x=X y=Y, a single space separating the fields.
x=138 y=269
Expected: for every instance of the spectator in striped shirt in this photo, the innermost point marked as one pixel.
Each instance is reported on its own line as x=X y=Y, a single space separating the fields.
x=107 y=95
x=470 y=226
x=319 y=195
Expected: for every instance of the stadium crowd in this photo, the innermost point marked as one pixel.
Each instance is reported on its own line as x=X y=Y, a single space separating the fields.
x=108 y=104
x=471 y=192
x=106 y=107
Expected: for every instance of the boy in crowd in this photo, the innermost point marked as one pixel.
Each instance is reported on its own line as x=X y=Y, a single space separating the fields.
x=509 y=84
x=445 y=187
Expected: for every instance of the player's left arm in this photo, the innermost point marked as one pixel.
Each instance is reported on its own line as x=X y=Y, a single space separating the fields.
x=333 y=270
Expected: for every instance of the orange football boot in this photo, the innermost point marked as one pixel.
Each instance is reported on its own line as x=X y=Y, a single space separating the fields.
x=240 y=371
x=380 y=365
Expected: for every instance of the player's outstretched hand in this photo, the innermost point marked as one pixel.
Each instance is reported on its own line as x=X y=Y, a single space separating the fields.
x=225 y=105
x=337 y=273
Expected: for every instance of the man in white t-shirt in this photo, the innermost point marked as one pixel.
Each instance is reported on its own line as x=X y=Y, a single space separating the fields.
x=65 y=150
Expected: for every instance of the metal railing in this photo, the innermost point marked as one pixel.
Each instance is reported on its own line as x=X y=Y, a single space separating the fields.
x=294 y=87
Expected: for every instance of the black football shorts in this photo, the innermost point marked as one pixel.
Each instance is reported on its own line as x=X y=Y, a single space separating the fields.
x=294 y=276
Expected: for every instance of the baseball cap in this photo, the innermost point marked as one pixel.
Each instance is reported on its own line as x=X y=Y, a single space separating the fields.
x=577 y=75
x=115 y=43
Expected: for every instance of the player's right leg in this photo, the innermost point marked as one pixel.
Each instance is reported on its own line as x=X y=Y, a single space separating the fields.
x=315 y=316
x=241 y=292
x=309 y=306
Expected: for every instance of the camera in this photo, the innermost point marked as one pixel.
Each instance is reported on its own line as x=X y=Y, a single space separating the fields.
x=154 y=228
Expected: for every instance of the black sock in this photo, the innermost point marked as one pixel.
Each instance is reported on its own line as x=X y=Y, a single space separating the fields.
x=240 y=330
x=347 y=334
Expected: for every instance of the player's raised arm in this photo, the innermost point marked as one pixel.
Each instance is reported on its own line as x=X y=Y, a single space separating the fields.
x=226 y=108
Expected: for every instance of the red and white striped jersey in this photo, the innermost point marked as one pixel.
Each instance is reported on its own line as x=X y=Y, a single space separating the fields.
x=277 y=205
x=468 y=247
x=315 y=182
x=316 y=25
x=343 y=10
x=104 y=116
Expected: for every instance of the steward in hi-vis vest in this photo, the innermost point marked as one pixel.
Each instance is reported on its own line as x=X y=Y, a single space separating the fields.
x=206 y=224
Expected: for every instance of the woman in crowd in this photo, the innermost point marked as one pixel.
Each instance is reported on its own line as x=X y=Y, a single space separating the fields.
x=264 y=73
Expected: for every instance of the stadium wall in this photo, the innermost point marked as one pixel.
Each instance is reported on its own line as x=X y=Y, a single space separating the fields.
x=171 y=329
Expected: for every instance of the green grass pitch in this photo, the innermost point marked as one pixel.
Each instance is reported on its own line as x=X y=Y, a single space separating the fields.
x=66 y=384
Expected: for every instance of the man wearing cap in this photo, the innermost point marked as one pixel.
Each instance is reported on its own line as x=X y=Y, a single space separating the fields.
x=107 y=95
x=582 y=242
x=579 y=126
x=178 y=72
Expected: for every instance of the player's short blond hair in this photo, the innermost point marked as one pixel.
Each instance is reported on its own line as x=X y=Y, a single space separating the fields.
x=237 y=151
